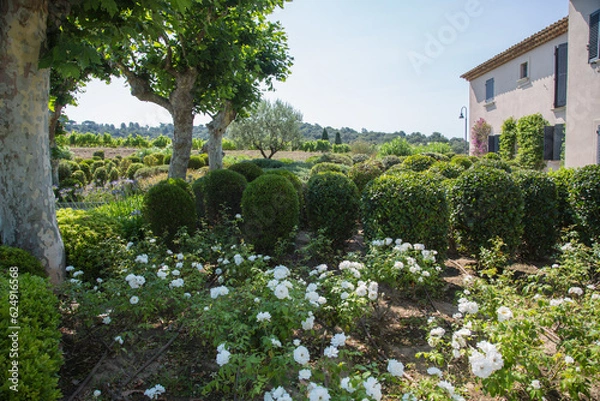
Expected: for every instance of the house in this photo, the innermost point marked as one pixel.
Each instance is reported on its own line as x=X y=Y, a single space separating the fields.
x=555 y=72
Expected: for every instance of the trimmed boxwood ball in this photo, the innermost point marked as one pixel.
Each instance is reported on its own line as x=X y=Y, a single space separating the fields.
x=329 y=167
x=585 y=200
x=411 y=206
x=485 y=203
x=268 y=163
x=418 y=163
x=23 y=260
x=270 y=207
x=540 y=217
x=249 y=170
x=132 y=169
x=298 y=186
x=362 y=173
x=198 y=190
x=223 y=190
x=196 y=162
x=39 y=356
x=168 y=207
x=332 y=204
x=446 y=169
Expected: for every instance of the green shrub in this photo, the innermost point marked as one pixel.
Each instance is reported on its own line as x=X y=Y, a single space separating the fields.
x=100 y=176
x=360 y=157
x=99 y=153
x=332 y=204
x=298 y=186
x=69 y=190
x=332 y=158
x=22 y=259
x=585 y=200
x=439 y=157
x=132 y=169
x=364 y=172
x=249 y=170
x=79 y=176
x=167 y=159
x=92 y=242
x=228 y=144
x=323 y=146
x=198 y=190
x=150 y=160
x=461 y=160
x=223 y=190
x=396 y=147
x=329 y=167
x=147 y=172
x=494 y=163
x=134 y=159
x=411 y=206
x=530 y=139
x=485 y=203
x=446 y=169
x=85 y=167
x=508 y=139
x=270 y=207
x=114 y=174
x=268 y=163
x=96 y=165
x=161 y=141
x=540 y=217
x=160 y=158
x=39 y=357
x=341 y=148
x=196 y=162
x=562 y=179
x=66 y=168
x=168 y=207
x=390 y=161
x=418 y=163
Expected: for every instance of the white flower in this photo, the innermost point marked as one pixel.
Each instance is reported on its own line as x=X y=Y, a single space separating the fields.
x=304 y=374
x=179 y=256
x=433 y=371
x=179 y=265
x=238 y=259
x=437 y=332
x=301 y=355
x=134 y=300
x=176 y=283
x=361 y=290
x=129 y=245
x=281 y=291
x=218 y=271
x=143 y=258
x=154 y=392
x=569 y=360
x=223 y=357
x=535 y=384
x=373 y=388
x=595 y=296
x=135 y=281
x=106 y=320
x=346 y=385
x=331 y=352
x=395 y=368
x=162 y=274
x=218 y=291
x=280 y=272
x=176 y=272
x=78 y=273
x=308 y=323
x=276 y=342
x=572 y=290
x=263 y=316
x=75 y=281
x=119 y=339
x=318 y=393
x=399 y=265
x=504 y=313
x=446 y=386
x=344 y=295
x=187 y=295
x=97 y=393
x=99 y=280
x=467 y=306
x=338 y=340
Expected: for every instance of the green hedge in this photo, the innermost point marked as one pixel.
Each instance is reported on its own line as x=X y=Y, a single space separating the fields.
x=363 y=173
x=22 y=259
x=410 y=206
x=485 y=203
x=530 y=139
x=223 y=190
x=585 y=200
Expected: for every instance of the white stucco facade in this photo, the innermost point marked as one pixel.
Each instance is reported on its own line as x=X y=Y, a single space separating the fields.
x=518 y=97
x=583 y=95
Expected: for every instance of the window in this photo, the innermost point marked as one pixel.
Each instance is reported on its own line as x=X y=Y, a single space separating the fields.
x=593 y=45
x=560 y=76
x=524 y=70
x=489 y=90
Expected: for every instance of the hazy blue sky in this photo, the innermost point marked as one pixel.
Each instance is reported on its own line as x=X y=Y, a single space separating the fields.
x=383 y=65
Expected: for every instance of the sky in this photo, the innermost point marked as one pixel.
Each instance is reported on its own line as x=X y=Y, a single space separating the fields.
x=379 y=65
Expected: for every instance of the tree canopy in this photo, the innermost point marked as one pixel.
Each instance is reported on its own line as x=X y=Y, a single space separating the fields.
x=270 y=128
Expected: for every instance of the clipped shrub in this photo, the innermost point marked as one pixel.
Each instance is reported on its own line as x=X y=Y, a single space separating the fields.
x=360 y=157
x=341 y=148
x=270 y=207
x=530 y=139
x=333 y=158
x=167 y=159
x=508 y=139
x=99 y=153
x=132 y=169
x=411 y=206
x=268 y=163
x=196 y=162
x=298 y=186
x=446 y=169
x=39 y=357
x=485 y=203
x=362 y=173
x=463 y=161
x=390 y=160
x=85 y=167
x=150 y=160
x=249 y=170
x=168 y=207
x=114 y=174
x=198 y=190
x=329 y=167
x=79 y=176
x=100 y=176
x=160 y=158
x=562 y=180
x=96 y=165
x=585 y=196
x=147 y=172
x=92 y=242
x=396 y=147
x=494 y=163
x=540 y=217
x=439 y=157
x=223 y=190
x=134 y=159
x=418 y=162
x=66 y=168
x=332 y=204
x=23 y=260
x=323 y=145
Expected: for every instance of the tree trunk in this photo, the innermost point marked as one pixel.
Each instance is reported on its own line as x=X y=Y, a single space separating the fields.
x=54 y=161
x=216 y=130
x=182 y=103
x=27 y=213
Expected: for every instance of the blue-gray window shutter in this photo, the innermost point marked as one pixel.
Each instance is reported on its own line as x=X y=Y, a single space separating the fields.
x=560 y=77
x=489 y=89
x=593 y=45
